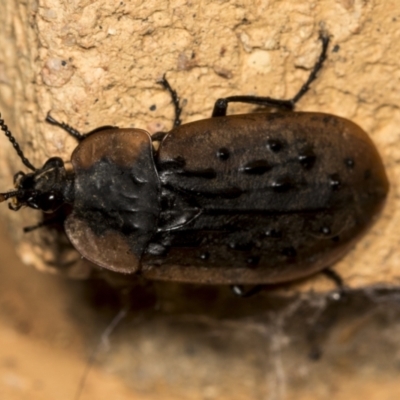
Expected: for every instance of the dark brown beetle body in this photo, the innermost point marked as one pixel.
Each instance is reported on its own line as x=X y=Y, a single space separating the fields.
x=268 y=198
x=255 y=198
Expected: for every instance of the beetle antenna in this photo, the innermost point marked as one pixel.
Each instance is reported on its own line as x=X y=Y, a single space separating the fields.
x=11 y=138
x=7 y=195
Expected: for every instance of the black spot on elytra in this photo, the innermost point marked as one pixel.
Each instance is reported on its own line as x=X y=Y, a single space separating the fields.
x=207 y=173
x=325 y=230
x=205 y=256
x=367 y=174
x=246 y=246
x=253 y=260
x=349 y=163
x=282 y=185
x=257 y=167
x=289 y=252
x=273 y=233
x=228 y=193
x=335 y=182
x=307 y=158
x=335 y=239
x=275 y=145
x=187 y=241
x=223 y=153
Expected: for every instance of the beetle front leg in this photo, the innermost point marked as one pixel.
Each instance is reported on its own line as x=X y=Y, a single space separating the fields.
x=221 y=105
x=74 y=132
x=175 y=100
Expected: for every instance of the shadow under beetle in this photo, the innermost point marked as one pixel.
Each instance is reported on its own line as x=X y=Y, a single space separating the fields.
x=260 y=198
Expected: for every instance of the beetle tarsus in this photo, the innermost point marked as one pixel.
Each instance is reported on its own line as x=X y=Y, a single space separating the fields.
x=14 y=207
x=175 y=100
x=221 y=105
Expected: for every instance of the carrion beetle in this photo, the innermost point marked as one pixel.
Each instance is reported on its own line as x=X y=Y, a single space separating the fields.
x=261 y=198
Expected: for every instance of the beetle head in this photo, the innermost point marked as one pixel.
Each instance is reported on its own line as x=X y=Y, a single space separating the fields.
x=43 y=189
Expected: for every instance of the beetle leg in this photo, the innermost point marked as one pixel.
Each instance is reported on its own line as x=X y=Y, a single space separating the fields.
x=338 y=281
x=41 y=224
x=334 y=277
x=14 y=207
x=221 y=105
x=158 y=136
x=18 y=176
x=99 y=129
x=73 y=132
x=15 y=144
x=175 y=100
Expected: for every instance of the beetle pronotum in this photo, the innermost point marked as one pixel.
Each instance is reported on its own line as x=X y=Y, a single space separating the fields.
x=260 y=198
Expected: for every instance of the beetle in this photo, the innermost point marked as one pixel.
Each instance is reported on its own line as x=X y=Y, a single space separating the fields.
x=261 y=198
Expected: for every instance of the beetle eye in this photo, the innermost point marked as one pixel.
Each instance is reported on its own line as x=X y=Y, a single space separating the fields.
x=50 y=201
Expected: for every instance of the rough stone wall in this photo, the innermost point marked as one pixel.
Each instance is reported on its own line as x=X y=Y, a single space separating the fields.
x=93 y=63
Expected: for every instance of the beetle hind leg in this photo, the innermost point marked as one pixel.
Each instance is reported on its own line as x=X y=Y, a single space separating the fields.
x=317 y=66
x=221 y=105
x=341 y=289
x=334 y=277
